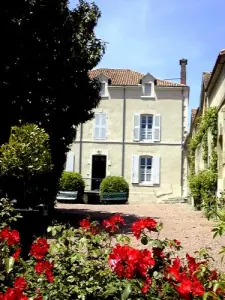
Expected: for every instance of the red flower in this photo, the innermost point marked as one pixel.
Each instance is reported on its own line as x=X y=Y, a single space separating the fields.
x=123 y=260
x=13 y=294
x=117 y=219
x=12 y=237
x=85 y=224
x=177 y=242
x=158 y=252
x=146 y=286
x=185 y=287
x=213 y=276
x=45 y=267
x=39 y=248
x=145 y=262
x=39 y=297
x=110 y=226
x=17 y=253
x=174 y=270
x=139 y=226
x=20 y=284
x=198 y=289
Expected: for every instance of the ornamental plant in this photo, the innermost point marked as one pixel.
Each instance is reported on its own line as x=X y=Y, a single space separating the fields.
x=114 y=184
x=96 y=261
x=72 y=181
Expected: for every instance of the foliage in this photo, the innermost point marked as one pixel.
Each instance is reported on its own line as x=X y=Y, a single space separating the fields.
x=8 y=215
x=71 y=181
x=46 y=75
x=24 y=160
x=27 y=154
x=203 y=184
x=96 y=262
x=114 y=184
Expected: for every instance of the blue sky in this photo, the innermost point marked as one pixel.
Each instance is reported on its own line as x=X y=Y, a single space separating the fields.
x=151 y=36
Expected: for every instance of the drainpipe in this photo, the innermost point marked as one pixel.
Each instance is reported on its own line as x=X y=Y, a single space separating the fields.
x=124 y=131
x=182 y=142
x=81 y=147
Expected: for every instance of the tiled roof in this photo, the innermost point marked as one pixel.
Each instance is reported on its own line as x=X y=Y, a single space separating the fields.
x=128 y=77
x=193 y=113
x=206 y=78
x=219 y=57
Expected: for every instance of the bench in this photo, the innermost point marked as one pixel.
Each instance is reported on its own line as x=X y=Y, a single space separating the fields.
x=111 y=197
x=65 y=196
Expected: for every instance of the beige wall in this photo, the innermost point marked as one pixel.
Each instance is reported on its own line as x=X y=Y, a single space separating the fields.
x=167 y=103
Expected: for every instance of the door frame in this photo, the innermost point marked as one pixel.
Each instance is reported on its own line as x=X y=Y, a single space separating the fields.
x=99 y=152
x=106 y=166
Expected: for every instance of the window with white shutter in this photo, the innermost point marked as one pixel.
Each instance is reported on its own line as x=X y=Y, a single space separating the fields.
x=70 y=161
x=135 y=169
x=100 y=126
x=157 y=127
x=146 y=169
x=136 y=135
x=146 y=127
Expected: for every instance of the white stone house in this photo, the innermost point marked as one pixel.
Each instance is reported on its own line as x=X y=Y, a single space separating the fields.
x=137 y=132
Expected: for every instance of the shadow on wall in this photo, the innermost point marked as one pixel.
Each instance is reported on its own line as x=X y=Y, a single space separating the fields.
x=73 y=216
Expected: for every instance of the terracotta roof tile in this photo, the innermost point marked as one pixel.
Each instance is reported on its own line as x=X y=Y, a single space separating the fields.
x=193 y=113
x=206 y=78
x=128 y=77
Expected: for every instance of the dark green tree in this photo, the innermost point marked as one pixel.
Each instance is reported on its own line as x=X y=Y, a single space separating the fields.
x=48 y=51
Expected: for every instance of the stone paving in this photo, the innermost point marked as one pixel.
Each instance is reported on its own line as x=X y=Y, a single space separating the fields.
x=180 y=221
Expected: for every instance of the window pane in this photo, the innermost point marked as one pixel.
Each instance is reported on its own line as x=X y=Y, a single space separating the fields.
x=102 y=92
x=97 y=119
x=142 y=161
x=149 y=161
x=150 y=121
x=148 y=177
x=148 y=89
x=142 y=177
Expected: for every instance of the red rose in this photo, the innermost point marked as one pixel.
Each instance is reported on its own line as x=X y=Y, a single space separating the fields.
x=174 y=270
x=185 y=287
x=158 y=252
x=17 y=253
x=110 y=226
x=20 y=284
x=12 y=237
x=45 y=267
x=146 y=286
x=139 y=226
x=39 y=297
x=198 y=289
x=117 y=219
x=40 y=267
x=85 y=224
x=39 y=248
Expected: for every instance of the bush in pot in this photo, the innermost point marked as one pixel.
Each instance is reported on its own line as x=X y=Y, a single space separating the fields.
x=114 y=184
x=72 y=181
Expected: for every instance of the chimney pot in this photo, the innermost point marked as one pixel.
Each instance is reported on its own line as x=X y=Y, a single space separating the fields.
x=183 y=72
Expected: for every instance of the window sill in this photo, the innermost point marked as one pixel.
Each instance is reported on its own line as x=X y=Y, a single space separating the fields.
x=146 y=184
x=105 y=97
x=99 y=139
x=148 y=97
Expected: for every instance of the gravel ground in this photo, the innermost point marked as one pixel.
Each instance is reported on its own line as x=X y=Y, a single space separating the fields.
x=180 y=222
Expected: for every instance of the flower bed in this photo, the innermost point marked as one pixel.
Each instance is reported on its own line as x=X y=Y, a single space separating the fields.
x=84 y=263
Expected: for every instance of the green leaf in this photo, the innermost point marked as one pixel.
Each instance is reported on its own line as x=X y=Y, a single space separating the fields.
x=207 y=294
x=9 y=263
x=70 y=279
x=144 y=240
x=127 y=291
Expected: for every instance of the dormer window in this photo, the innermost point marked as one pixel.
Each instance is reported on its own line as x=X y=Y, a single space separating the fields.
x=148 y=89
x=103 y=89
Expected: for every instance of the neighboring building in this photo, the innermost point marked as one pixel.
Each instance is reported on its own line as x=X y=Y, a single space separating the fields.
x=138 y=133
x=212 y=95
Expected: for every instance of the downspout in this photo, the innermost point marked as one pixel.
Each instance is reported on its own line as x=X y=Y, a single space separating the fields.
x=81 y=147
x=182 y=140
x=124 y=131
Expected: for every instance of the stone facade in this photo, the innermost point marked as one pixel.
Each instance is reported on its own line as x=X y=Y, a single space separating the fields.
x=140 y=133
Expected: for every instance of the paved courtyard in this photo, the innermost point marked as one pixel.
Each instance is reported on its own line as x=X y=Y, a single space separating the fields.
x=180 y=222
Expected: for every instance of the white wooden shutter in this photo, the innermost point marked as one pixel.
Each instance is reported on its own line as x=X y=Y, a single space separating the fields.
x=157 y=128
x=137 y=119
x=103 y=128
x=135 y=169
x=70 y=162
x=97 y=121
x=156 y=169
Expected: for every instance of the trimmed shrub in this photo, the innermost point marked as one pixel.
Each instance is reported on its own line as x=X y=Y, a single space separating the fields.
x=114 y=184
x=71 y=181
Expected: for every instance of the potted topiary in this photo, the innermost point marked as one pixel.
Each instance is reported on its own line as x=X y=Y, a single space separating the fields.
x=114 y=189
x=71 y=187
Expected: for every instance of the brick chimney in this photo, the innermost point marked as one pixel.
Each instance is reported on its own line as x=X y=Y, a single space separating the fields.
x=183 y=73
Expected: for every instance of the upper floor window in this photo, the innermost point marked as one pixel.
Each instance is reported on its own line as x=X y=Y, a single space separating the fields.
x=148 y=89
x=147 y=127
x=103 y=89
x=100 y=126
